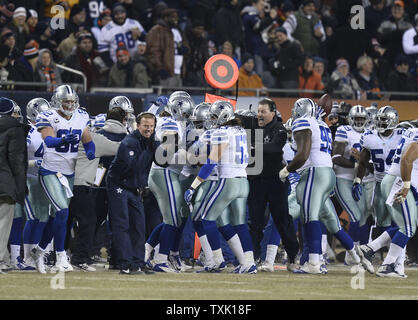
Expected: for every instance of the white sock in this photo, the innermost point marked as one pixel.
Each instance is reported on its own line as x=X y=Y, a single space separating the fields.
x=400 y=262
x=394 y=253
x=160 y=258
x=324 y=243
x=382 y=241
x=218 y=256
x=354 y=255
x=314 y=258
x=14 y=252
x=236 y=247
x=207 y=250
x=148 y=250
x=249 y=257
x=271 y=253
x=50 y=246
x=27 y=247
x=157 y=249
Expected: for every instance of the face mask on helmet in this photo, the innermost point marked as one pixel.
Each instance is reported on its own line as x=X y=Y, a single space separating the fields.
x=357 y=118
x=36 y=106
x=65 y=99
x=200 y=116
x=303 y=107
x=221 y=112
x=180 y=107
x=386 y=119
x=17 y=113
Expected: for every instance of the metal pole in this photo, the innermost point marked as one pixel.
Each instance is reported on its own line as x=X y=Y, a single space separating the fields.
x=60 y=66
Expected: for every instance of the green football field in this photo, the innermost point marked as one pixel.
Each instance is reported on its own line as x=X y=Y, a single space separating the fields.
x=338 y=284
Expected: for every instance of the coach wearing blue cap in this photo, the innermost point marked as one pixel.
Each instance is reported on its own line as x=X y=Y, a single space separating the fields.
x=13 y=167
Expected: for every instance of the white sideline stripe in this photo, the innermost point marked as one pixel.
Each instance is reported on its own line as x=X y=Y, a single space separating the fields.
x=155 y=280
x=132 y=289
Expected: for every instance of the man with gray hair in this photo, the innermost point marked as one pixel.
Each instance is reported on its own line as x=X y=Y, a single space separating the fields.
x=366 y=78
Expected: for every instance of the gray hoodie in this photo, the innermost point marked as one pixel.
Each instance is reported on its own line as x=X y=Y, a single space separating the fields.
x=85 y=170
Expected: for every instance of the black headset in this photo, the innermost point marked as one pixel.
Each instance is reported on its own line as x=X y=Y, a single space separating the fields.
x=139 y=116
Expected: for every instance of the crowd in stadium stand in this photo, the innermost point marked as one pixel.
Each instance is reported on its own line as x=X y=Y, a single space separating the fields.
x=290 y=44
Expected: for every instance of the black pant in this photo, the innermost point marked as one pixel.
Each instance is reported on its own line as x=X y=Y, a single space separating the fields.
x=273 y=191
x=126 y=214
x=101 y=234
x=83 y=211
x=153 y=216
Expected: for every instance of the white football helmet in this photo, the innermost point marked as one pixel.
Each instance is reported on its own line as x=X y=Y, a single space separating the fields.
x=357 y=118
x=386 y=119
x=35 y=107
x=303 y=107
x=371 y=116
x=180 y=105
x=200 y=116
x=17 y=112
x=65 y=99
x=122 y=102
x=220 y=112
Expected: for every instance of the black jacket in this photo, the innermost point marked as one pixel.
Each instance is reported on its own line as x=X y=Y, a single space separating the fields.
x=274 y=139
x=288 y=59
x=13 y=159
x=130 y=167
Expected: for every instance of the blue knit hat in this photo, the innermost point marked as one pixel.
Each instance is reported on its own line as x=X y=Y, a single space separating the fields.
x=6 y=106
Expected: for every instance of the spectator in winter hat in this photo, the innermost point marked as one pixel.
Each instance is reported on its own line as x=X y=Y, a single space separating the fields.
x=8 y=38
x=68 y=44
x=125 y=73
x=46 y=70
x=32 y=20
x=401 y=79
x=247 y=76
x=343 y=80
x=43 y=35
x=24 y=67
x=20 y=28
x=104 y=18
x=86 y=59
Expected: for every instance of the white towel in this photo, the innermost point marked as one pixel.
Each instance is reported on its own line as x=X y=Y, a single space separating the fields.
x=63 y=180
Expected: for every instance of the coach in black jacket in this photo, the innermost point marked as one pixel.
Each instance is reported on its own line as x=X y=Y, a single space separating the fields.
x=13 y=168
x=128 y=175
x=266 y=187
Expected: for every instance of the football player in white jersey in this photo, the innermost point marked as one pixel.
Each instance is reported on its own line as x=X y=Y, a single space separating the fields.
x=230 y=155
x=371 y=117
x=200 y=150
x=380 y=146
x=346 y=144
x=400 y=202
x=120 y=29
x=124 y=103
x=164 y=182
x=313 y=160
x=62 y=128
x=36 y=202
